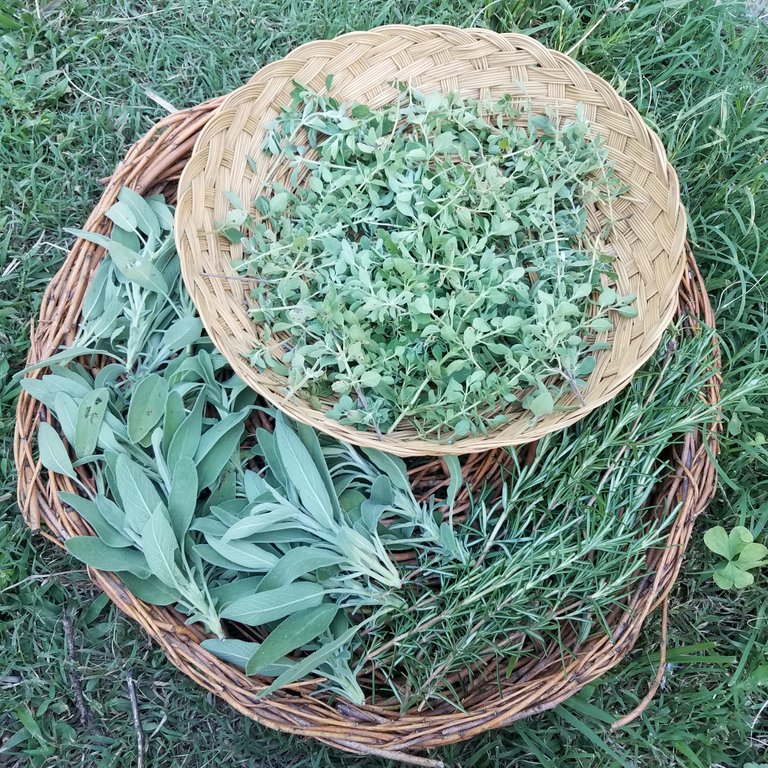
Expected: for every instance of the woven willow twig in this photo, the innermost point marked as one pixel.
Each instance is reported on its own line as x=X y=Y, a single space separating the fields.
x=535 y=684
x=647 y=238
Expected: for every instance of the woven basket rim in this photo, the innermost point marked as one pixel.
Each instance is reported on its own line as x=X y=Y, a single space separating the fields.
x=154 y=164
x=650 y=251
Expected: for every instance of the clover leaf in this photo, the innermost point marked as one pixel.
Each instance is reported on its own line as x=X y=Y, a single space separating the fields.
x=741 y=553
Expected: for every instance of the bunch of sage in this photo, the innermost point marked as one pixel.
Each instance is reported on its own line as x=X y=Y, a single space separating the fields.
x=179 y=511
x=434 y=264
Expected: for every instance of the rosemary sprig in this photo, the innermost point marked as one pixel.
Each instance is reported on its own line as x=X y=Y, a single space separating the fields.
x=558 y=551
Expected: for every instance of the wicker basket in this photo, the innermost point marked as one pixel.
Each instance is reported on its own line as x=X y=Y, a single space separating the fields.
x=647 y=241
x=154 y=164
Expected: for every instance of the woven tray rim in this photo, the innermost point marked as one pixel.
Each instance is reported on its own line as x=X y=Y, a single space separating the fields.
x=657 y=254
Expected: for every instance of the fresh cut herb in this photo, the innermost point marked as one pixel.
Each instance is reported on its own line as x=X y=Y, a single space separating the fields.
x=434 y=262
x=198 y=506
x=286 y=544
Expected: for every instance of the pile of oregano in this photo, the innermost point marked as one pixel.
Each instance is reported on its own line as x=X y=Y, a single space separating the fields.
x=433 y=265
x=280 y=540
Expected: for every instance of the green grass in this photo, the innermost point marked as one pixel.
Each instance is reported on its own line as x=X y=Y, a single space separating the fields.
x=74 y=78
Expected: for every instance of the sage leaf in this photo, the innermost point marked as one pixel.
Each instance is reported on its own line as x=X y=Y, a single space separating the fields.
x=122 y=215
x=210 y=555
x=233 y=651
x=147 y=406
x=369 y=514
x=274 y=604
x=182 y=333
x=142 y=212
x=304 y=475
x=240 y=586
x=292 y=633
x=53 y=453
x=309 y=437
x=217 y=445
x=266 y=442
x=182 y=500
x=238 y=652
x=310 y=663
x=210 y=526
x=151 y=590
x=245 y=556
x=41 y=391
x=161 y=548
x=126 y=237
x=137 y=492
x=75 y=373
x=284 y=536
x=54 y=384
x=187 y=438
x=131 y=241
x=113 y=515
x=66 y=411
x=392 y=466
x=254 y=485
x=450 y=542
x=90 y=511
x=278 y=518
x=163 y=212
x=456 y=479
x=351 y=500
x=155 y=441
x=110 y=473
x=367 y=554
x=90 y=417
x=298 y=562
x=174 y=416
x=96 y=554
x=128 y=263
x=109 y=374
x=139 y=270
x=67 y=355
x=227 y=511
x=381 y=492
x=94 y=301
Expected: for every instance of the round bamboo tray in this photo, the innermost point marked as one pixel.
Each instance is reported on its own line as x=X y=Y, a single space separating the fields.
x=154 y=165
x=647 y=240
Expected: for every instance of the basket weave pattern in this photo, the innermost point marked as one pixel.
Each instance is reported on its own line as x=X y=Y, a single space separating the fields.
x=647 y=239
x=153 y=165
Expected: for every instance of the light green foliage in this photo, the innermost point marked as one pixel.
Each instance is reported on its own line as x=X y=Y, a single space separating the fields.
x=742 y=555
x=162 y=428
x=558 y=549
x=435 y=263
x=288 y=541
x=128 y=306
x=53 y=453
